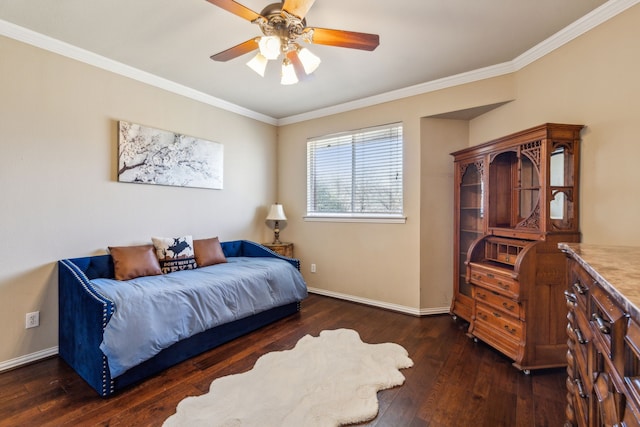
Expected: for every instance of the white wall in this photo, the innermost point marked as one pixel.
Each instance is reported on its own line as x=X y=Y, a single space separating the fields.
x=592 y=80
x=58 y=173
x=386 y=264
x=60 y=197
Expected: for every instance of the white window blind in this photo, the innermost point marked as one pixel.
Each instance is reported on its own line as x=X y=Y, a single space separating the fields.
x=356 y=174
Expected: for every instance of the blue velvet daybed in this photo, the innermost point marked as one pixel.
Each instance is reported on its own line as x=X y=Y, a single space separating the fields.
x=85 y=313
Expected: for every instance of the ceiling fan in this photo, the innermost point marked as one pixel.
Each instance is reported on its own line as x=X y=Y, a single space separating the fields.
x=284 y=27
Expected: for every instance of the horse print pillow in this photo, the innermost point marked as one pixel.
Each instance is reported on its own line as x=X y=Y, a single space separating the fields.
x=175 y=253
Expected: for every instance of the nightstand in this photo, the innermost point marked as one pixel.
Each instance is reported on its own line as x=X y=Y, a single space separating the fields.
x=284 y=248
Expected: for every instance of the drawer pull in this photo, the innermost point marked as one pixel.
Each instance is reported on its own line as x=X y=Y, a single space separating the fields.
x=481 y=296
x=509 y=307
x=571 y=298
x=580 y=387
x=496 y=314
x=509 y=329
x=580 y=288
x=601 y=324
x=490 y=276
x=579 y=336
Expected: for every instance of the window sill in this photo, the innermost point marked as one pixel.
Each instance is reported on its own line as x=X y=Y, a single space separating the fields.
x=356 y=218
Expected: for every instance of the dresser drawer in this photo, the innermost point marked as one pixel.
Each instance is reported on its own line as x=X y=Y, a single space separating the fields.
x=494 y=279
x=579 y=284
x=579 y=396
x=505 y=343
x=580 y=337
x=606 y=320
x=632 y=357
x=284 y=249
x=498 y=301
x=612 y=406
x=504 y=323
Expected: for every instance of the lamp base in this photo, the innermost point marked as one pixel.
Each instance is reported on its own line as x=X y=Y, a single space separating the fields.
x=276 y=233
x=276 y=237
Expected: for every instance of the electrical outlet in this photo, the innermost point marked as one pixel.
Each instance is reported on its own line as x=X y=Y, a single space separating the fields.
x=313 y=268
x=32 y=320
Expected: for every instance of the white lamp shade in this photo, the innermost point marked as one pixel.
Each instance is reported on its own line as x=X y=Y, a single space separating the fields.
x=276 y=213
x=310 y=62
x=270 y=46
x=258 y=64
x=289 y=76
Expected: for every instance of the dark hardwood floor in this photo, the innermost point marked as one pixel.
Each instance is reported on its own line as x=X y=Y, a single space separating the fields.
x=454 y=381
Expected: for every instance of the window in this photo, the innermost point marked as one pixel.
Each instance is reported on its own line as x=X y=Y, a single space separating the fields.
x=356 y=174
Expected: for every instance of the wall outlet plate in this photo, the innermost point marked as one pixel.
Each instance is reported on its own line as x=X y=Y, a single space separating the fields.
x=32 y=320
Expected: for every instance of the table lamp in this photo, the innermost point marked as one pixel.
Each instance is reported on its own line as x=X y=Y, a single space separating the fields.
x=275 y=216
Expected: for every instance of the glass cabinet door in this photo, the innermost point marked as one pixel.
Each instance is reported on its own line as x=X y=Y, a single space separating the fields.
x=514 y=195
x=471 y=214
x=529 y=188
x=561 y=177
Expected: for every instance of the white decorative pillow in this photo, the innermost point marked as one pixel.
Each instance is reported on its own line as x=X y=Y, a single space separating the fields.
x=175 y=253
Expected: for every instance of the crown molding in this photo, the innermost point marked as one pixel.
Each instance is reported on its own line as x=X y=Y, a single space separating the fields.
x=419 y=89
x=596 y=17
x=50 y=44
x=591 y=20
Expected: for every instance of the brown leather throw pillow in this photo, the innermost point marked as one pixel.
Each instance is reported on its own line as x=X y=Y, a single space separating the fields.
x=130 y=262
x=208 y=252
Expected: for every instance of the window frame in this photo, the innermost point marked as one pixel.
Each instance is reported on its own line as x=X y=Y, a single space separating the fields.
x=396 y=218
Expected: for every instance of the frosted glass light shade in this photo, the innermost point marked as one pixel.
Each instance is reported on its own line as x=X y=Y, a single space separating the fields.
x=276 y=213
x=288 y=73
x=269 y=46
x=258 y=64
x=310 y=62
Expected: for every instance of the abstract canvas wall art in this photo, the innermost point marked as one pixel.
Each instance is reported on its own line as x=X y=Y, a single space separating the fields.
x=153 y=156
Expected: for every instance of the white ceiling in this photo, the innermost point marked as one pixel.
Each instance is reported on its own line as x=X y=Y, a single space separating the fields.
x=421 y=41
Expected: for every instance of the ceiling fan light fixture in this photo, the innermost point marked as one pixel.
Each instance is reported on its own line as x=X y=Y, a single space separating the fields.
x=284 y=25
x=270 y=46
x=289 y=76
x=310 y=62
x=258 y=64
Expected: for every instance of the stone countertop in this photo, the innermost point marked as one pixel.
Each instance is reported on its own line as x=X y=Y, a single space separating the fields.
x=617 y=269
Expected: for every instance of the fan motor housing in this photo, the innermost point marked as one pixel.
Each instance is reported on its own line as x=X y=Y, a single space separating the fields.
x=277 y=22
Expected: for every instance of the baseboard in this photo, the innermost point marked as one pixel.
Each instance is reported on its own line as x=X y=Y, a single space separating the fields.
x=48 y=352
x=381 y=304
x=28 y=358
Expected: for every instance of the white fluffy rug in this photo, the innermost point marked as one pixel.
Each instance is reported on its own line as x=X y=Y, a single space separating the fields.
x=330 y=380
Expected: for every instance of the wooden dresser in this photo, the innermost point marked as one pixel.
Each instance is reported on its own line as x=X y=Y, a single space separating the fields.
x=515 y=199
x=603 y=370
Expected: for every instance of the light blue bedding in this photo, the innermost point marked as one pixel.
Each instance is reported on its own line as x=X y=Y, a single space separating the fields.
x=155 y=312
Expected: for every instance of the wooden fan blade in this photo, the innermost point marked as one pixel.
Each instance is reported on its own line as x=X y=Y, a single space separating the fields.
x=235 y=51
x=236 y=8
x=342 y=38
x=298 y=8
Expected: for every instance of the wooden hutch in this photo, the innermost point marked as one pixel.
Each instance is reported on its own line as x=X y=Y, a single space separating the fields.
x=516 y=198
